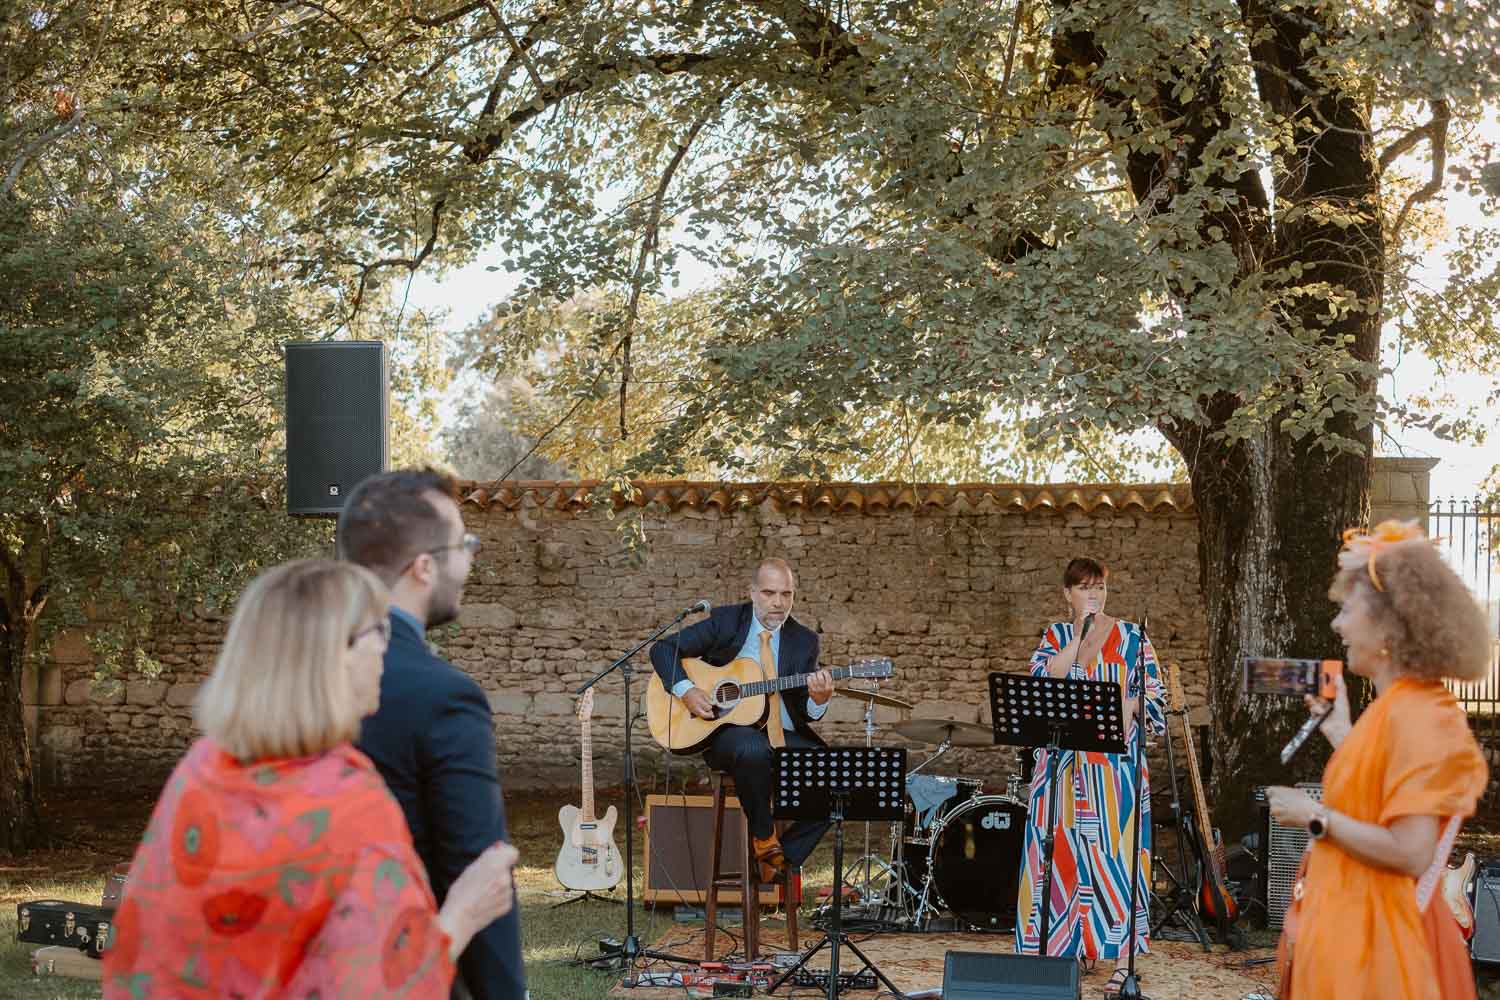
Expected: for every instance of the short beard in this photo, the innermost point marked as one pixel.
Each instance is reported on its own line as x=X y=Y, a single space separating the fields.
x=443 y=606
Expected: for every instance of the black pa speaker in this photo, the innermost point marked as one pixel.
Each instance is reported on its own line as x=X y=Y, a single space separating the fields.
x=1484 y=946
x=977 y=975
x=336 y=421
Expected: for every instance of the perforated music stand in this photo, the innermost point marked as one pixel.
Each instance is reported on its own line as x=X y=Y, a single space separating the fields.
x=1060 y=713
x=838 y=783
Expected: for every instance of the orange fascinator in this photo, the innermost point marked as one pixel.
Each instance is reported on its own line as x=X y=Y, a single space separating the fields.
x=1361 y=548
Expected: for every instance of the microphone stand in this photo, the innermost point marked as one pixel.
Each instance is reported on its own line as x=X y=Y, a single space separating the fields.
x=630 y=949
x=1130 y=989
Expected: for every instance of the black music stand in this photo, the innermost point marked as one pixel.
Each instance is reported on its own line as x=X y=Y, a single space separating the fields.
x=1059 y=713
x=838 y=783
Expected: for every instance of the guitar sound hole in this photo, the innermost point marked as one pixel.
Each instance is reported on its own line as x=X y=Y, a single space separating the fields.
x=727 y=694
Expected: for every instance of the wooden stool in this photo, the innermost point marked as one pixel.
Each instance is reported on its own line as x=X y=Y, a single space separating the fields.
x=746 y=880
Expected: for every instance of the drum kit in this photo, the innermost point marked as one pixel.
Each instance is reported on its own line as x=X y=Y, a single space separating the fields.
x=957 y=850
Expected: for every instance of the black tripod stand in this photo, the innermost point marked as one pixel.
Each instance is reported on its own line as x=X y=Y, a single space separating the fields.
x=630 y=949
x=839 y=783
x=1183 y=902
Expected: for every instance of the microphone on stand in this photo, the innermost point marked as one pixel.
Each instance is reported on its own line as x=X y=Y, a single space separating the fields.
x=1313 y=722
x=701 y=606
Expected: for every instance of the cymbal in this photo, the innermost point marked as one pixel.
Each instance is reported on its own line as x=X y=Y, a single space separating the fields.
x=959 y=734
x=875 y=696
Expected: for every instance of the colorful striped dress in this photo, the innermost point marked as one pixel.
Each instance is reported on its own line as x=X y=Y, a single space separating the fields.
x=1095 y=823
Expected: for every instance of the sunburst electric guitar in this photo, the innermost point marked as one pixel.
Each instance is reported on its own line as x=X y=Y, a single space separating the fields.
x=738 y=693
x=1215 y=902
x=589 y=859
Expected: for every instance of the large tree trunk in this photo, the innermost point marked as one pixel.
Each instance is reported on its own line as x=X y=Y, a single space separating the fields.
x=1270 y=514
x=20 y=825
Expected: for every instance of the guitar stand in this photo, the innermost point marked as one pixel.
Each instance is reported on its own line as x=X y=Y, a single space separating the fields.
x=587 y=894
x=1183 y=902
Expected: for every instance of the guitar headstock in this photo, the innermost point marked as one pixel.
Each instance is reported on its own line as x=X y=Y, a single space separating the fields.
x=1174 y=687
x=586 y=705
x=872 y=667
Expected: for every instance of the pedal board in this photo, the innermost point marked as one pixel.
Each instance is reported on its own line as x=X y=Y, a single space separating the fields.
x=818 y=979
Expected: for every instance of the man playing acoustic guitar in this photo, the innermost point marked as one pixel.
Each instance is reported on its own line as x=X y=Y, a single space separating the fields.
x=762 y=630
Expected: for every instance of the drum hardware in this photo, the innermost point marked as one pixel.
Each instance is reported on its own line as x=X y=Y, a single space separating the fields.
x=873 y=697
x=869 y=866
x=948 y=732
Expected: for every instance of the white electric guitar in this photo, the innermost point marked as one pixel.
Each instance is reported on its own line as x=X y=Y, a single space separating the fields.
x=589 y=858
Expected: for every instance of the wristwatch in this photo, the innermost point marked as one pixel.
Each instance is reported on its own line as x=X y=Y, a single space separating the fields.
x=1317 y=826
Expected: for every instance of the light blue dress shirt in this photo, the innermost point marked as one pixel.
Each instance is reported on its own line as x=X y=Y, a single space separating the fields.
x=751 y=650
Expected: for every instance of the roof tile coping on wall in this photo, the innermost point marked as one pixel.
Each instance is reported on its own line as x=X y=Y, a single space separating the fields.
x=678 y=495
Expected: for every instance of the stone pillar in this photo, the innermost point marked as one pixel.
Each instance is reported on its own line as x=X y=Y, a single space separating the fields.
x=43 y=691
x=1399 y=489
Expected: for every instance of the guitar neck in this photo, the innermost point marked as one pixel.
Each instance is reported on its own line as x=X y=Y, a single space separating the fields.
x=786 y=683
x=588 y=773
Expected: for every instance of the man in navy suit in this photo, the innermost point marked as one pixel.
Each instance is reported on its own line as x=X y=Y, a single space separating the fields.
x=432 y=738
x=764 y=630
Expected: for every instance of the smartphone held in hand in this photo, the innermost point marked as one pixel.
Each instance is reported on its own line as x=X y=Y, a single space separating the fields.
x=1292 y=677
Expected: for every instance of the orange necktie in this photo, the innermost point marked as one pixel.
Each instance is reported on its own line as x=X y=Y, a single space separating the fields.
x=768 y=671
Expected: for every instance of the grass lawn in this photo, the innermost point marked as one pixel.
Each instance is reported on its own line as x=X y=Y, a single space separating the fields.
x=96 y=834
x=99 y=834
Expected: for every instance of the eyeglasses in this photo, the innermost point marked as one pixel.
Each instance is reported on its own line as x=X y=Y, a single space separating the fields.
x=470 y=544
x=381 y=628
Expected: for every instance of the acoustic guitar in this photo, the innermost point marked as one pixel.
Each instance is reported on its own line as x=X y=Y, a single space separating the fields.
x=1214 y=900
x=738 y=692
x=589 y=858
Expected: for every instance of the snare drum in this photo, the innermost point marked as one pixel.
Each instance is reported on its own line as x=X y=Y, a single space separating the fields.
x=975 y=857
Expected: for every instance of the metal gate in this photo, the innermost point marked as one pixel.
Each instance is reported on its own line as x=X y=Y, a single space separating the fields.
x=1469 y=536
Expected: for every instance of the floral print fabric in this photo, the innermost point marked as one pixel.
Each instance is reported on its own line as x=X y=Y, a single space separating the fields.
x=287 y=879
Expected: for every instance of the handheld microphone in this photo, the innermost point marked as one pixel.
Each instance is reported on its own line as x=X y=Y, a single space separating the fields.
x=1088 y=623
x=1313 y=721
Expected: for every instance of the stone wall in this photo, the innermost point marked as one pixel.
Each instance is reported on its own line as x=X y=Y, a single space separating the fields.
x=949 y=582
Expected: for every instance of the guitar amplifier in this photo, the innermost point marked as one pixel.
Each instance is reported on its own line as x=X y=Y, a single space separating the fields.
x=679 y=833
x=1484 y=946
x=1284 y=847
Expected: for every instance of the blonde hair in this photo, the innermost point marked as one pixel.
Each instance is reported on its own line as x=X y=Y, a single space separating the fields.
x=1434 y=627
x=279 y=688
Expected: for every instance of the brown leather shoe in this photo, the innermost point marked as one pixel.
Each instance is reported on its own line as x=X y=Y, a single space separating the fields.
x=770 y=861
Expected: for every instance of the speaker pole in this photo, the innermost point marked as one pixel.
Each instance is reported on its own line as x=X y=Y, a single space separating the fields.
x=1131 y=988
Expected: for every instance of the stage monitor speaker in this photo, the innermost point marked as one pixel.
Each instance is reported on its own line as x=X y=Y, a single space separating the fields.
x=1285 y=845
x=679 y=832
x=1484 y=946
x=981 y=975
x=337 y=417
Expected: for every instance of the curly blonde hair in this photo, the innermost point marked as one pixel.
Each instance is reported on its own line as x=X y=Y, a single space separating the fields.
x=1434 y=626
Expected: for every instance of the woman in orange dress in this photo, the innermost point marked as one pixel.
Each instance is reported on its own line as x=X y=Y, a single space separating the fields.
x=276 y=863
x=1370 y=921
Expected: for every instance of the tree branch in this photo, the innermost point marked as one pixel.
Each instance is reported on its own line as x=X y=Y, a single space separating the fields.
x=649 y=241
x=1436 y=132
x=410 y=263
x=481 y=148
x=48 y=137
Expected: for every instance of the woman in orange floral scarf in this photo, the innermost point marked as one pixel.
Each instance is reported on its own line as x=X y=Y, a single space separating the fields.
x=1401 y=780
x=276 y=863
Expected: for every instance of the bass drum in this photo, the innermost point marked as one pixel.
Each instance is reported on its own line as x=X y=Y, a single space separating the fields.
x=976 y=860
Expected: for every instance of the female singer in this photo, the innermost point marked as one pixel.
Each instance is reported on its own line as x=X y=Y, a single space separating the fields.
x=1369 y=921
x=1095 y=832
